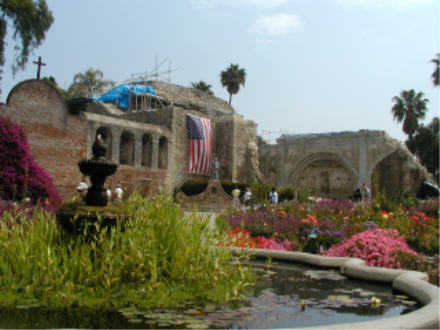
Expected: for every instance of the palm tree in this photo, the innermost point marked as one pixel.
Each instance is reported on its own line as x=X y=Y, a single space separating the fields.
x=409 y=108
x=88 y=83
x=232 y=78
x=436 y=74
x=202 y=86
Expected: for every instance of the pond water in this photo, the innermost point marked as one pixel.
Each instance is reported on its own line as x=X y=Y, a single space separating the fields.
x=276 y=302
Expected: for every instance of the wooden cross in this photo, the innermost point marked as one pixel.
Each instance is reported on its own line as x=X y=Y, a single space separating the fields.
x=40 y=64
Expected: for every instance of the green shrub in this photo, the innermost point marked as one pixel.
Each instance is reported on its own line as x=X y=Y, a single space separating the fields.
x=192 y=188
x=161 y=260
x=286 y=194
x=229 y=186
x=260 y=192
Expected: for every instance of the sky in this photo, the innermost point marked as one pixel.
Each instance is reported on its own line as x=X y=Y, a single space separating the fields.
x=313 y=66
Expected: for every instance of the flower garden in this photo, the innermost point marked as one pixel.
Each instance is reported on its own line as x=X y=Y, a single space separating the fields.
x=383 y=233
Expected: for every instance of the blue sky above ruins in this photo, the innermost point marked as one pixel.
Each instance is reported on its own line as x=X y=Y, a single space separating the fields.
x=312 y=66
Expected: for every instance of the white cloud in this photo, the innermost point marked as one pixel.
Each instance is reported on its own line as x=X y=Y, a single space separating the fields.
x=276 y=25
x=385 y=4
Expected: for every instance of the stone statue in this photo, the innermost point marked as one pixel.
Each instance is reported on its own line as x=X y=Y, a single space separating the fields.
x=215 y=169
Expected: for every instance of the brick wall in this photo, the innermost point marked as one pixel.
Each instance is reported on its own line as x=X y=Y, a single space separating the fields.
x=57 y=140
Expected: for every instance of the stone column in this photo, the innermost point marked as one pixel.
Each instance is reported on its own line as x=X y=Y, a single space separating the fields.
x=116 y=142
x=138 y=148
x=155 y=153
x=362 y=163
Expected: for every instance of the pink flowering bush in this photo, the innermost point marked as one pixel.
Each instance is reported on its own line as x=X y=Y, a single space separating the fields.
x=20 y=174
x=377 y=247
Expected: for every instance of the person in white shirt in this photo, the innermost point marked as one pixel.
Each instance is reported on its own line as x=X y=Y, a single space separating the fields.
x=273 y=196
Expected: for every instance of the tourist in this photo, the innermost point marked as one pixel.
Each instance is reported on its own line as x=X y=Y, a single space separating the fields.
x=82 y=189
x=367 y=192
x=273 y=196
x=236 y=195
x=247 y=197
x=118 y=195
x=357 y=196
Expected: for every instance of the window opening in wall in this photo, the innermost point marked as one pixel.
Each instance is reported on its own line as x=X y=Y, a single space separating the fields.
x=106 y=136
x=147 y=142
x=126 y=149
x=163 y=153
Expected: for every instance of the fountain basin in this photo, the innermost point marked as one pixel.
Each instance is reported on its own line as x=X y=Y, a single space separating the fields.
x=410 y=282
x=85 y=220
x=328 y=296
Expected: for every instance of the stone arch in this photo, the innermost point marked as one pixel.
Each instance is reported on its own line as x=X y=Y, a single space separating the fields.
x=106 y=135
x=327 y=174
x=126 y=148
x=163 y=153
x=147 y=148
x=392 y=173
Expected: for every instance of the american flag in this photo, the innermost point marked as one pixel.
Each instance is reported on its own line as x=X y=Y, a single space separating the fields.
x=200 y=145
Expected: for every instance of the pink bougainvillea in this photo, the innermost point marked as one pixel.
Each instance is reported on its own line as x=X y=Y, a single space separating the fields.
x=20 y=174
x=377 y=247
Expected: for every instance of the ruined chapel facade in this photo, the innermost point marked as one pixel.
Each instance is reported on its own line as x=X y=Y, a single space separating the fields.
x=149 y=142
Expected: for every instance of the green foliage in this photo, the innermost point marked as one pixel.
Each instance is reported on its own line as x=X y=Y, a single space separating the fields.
x=30 y=20
x=436 y=73
x=191 y=188
x=161 y=259
x=232 y=78
x=425 y=145
x=87 y=84
x=229 y=186
x=286 y=194
x=409 y=108
x=202 y=86
x=260 y=192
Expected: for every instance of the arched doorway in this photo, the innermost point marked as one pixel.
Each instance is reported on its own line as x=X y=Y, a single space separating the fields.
x=106 y=136
x=324 y=174
x=147 y=143
x=391 y=174
x=163 y=153
x=126 y=149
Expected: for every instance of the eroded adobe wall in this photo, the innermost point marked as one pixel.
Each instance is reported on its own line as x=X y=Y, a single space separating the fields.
x=190 y=98
x=57 y=140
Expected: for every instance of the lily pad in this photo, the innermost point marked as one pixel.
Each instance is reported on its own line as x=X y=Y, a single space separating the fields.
x=409 y=302
x=134 y=320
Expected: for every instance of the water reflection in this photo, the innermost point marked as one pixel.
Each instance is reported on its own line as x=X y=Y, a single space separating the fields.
x=275 y=302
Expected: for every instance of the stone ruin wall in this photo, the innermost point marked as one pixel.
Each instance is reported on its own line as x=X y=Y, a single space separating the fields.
x=334 y=164
x=58 y=138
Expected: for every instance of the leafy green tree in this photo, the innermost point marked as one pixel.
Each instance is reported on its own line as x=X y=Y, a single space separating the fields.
x=409 y=108
x=30 y=20
x=87 y=84
x=232 y=78
x=436 y=74
x=425 y=145
x=202 y=86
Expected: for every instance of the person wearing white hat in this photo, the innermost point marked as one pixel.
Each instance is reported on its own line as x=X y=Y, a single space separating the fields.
x=118 y=195
x=82 y=189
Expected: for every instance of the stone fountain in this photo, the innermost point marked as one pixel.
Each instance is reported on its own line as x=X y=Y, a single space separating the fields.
x=98 y=169
x=77 y=218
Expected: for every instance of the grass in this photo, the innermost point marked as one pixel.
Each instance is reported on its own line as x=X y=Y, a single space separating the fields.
x=161 y=260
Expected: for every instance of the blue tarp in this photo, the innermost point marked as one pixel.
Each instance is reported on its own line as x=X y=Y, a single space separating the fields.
x=122 y=93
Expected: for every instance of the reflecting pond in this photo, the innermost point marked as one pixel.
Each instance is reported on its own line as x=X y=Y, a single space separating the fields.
x=287 y=295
